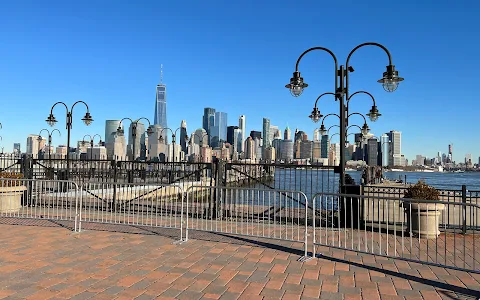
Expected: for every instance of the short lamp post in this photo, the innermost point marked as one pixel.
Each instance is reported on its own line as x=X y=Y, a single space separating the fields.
x=120 y=131
x=91 y=142
x=51 y=120
x=390 y=82
x=49 y=141
x=161 y=139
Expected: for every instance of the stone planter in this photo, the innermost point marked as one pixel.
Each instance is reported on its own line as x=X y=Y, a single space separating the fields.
x=11 y=198
x=423 y=218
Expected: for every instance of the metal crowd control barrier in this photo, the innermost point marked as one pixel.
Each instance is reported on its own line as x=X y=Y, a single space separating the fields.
x=405 y=229
x=54 y=200
x=154 y=205
x=261 y=213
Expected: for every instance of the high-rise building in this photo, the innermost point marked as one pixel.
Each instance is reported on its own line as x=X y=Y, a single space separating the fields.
x=316 y=135
x=274 y=133
x=372 y=152
x=34 y=145
x=218 y=132
x=139 y=139
x=16 y=148
x=160 y=117
x=266 y=134
x=208 y=119
x=395 y=157
x=306 y=149
x=468 y=159
x=287 y=150
x=255 y=134
x=250 y=152
x=242 y=124
x=230 y=134
x=111 y=127
x=325 y=146
x=385 y=146
x=200 y=137
x=183 y=135
x=287 y=135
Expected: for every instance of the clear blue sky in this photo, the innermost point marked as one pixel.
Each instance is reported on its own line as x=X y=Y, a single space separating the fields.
x=236 y=56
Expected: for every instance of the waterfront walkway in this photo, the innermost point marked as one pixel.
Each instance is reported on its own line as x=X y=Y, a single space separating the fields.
x=40 y=259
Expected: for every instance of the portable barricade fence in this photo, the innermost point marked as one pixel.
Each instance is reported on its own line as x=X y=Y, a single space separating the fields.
x=53 y=200
x=260 y=213
x=153 y=205
x=407 y=229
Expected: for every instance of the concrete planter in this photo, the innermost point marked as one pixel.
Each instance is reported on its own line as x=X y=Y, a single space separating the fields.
x=11 y=198
x=423 y=219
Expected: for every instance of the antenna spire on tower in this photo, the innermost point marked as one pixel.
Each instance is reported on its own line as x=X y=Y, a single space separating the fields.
x=161 y=73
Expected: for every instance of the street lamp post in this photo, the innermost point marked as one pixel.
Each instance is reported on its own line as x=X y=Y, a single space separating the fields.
x=174 y=134
x=87 y=119
x=390 y=82
x=49 y=141
x=120 y=131
x=91 y=142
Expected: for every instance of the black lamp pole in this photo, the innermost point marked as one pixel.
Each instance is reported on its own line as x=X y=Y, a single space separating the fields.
x=87 y=119
x=91 y=142
x=49 y=141
x=120 y=131
x=390 y=81
x=174 y=134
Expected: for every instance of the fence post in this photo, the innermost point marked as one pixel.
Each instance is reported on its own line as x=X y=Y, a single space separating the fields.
x=464 y=215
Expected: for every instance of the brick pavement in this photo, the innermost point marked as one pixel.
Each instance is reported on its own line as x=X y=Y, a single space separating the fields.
x=41 y=262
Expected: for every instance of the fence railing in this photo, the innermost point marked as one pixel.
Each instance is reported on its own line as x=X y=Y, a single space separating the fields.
x=451 y=219
x=39 y=199
x=410 y=230
x=131 y=204
x=414 y=230
x=272 y=214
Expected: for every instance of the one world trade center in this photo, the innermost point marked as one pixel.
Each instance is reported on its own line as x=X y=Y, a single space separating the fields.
x=160 y=117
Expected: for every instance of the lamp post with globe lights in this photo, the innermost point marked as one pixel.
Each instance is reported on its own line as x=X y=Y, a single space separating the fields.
x=49 y=140
x=51 y=120
x=390 y=82
x=174 y=134
x=91 y=142
x=121 y=132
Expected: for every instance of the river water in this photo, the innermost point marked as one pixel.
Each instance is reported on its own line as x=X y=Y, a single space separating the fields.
x=315 y=181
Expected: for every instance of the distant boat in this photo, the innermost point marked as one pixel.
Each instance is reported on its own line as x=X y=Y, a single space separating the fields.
x=396 y=170
x=426 y=170
x=459 y=171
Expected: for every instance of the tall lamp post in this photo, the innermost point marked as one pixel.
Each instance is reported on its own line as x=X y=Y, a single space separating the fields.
x=390 y=82
x=120 y=131
x=50 y=133
x=87 y=119
x=174 y=134
x=91 y=142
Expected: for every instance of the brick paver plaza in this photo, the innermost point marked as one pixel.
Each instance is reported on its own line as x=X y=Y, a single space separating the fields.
x=48 y=261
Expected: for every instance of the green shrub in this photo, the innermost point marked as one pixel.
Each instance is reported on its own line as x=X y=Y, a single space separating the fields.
x=422 y=191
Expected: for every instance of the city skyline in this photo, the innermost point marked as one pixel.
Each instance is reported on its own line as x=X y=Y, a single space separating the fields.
x=115 y=72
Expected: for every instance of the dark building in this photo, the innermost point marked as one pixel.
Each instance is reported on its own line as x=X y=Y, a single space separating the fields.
x=208 y=119
x=372 y=152
x=231 y=134
x=256 y=134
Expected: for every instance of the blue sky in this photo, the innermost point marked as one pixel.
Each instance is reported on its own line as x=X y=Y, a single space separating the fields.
x=236 y=56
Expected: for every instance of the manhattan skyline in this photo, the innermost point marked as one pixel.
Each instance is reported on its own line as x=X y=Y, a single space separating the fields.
x=112 y=62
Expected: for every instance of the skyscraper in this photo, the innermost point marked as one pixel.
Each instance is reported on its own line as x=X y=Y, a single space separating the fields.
x=183 y=135
x=287 y=134
x=395 y=158
x=208 y=119
x=160 y=117
x=242 y=124
x=266 y=133
x=385 y=145
x=16 y=148
x=372 y=152
x=218 y=132
x=325 y=146
x=111 y=127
